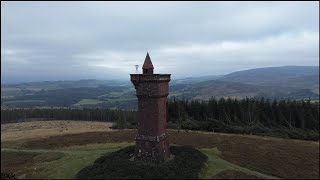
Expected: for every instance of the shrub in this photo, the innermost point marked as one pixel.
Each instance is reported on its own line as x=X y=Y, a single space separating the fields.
x=186 y=164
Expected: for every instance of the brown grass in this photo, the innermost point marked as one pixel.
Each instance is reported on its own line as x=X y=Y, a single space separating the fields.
x=14 y=161
x=22 y=163
x=278 y=157
x=54 y=142
x=232 y=174
x=36 y=129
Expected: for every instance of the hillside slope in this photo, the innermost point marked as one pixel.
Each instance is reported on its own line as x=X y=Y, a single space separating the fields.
x=218 y=89
x=295 y=82
x=268 y=75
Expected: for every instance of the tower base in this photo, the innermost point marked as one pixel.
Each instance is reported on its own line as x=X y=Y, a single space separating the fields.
x=152 y=149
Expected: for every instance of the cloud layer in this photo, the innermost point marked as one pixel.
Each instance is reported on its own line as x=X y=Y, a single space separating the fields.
x=104 y=40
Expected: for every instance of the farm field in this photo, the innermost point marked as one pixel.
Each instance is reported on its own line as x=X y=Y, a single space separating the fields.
x=59 y=149
x=88 y=101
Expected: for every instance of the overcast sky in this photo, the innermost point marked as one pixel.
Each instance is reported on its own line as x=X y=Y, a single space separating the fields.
x=104 y=40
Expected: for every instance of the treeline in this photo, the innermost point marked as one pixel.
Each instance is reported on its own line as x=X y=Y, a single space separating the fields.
x=284 y=118
x=248 y=112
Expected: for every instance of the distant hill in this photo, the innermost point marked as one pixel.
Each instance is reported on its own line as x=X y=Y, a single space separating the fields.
x=191 y=80
x=269 y=75
x=51 y=85
x=294 y=82
x=216 y=88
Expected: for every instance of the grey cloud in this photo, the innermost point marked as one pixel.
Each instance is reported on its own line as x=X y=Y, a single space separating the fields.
x=105 y=39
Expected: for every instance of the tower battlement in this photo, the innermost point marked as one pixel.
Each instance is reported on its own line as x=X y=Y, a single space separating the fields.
x=150 y=77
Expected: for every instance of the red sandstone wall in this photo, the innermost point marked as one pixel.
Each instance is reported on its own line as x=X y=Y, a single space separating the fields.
x=152 y=119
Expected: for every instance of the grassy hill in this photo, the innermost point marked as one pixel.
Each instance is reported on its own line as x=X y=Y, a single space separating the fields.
x=59 y=150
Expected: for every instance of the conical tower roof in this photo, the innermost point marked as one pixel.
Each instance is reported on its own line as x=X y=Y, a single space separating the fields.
x=147 y=63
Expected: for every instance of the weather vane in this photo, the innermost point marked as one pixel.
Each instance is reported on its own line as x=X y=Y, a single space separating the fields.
x=137 y=71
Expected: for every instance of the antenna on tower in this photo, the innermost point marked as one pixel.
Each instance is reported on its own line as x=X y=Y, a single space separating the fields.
x=137 y=71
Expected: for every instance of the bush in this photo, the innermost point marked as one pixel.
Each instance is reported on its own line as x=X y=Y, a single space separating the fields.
x=186 y=164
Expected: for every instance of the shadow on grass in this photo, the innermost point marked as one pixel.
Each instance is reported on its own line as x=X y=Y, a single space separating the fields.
x=186 y=164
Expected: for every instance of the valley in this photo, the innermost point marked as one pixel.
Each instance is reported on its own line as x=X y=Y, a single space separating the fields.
x=287 y=82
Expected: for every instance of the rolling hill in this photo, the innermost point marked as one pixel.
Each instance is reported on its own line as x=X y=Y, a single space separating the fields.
x=269 y=75
x=294 y=82
x=218 y=89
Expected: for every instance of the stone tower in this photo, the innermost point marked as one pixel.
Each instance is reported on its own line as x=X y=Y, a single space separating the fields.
x=152 y=144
